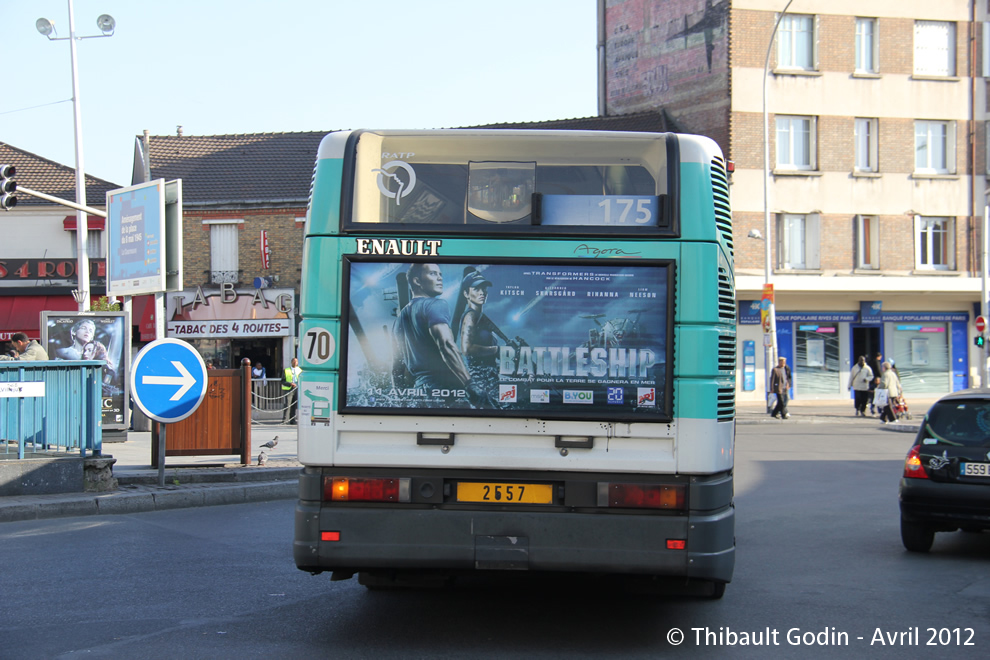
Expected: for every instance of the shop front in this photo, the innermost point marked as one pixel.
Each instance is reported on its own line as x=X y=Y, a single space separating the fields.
x=229 y=324
x=929 y=350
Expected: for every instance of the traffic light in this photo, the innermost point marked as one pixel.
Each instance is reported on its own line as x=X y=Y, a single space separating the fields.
x=979 y=340
x=7 y=187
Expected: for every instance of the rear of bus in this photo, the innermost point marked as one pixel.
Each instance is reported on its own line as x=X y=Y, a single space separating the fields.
x=583 y=280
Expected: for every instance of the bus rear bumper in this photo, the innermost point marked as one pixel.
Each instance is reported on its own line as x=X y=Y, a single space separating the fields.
x=370 y=539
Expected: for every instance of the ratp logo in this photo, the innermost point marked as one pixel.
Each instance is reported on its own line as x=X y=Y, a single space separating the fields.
x=615 y=395
x=579 y=396
x=539 y=396
x=506 y=393
x=646 y=396
x=402 y=186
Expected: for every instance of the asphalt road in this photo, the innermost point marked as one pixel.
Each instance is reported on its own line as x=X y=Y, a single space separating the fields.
x=819 y=562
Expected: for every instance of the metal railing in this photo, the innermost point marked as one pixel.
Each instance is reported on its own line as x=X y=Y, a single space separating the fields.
x=269 y=402
x=49 y=406
x=224 y=276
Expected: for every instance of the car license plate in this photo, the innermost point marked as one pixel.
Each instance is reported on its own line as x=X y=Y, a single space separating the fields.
x=503 y=493
x=975 y=469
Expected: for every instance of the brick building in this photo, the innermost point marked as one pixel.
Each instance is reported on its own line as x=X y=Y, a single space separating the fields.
x=244 y=211
x=876 y=160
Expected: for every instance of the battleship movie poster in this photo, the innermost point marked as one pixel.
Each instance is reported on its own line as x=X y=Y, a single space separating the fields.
x=561 y=340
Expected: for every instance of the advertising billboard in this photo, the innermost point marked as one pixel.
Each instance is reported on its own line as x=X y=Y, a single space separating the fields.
x=94 y=336
x=558 y=340
x=136 y=241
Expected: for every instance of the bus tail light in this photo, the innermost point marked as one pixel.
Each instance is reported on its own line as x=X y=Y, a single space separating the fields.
x=365 y=489
x=676 y=544
x=642 y=496
x=913 y=469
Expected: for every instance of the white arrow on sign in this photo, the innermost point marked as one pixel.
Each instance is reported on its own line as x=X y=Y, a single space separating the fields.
x=186 y=380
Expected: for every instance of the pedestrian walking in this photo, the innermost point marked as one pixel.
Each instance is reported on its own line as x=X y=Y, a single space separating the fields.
x=860 y=379
x=780 y=384
x=887 y=393
x=875 y=364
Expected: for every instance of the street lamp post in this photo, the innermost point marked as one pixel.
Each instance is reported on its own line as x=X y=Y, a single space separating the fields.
x=106 y=24
x=769 y=351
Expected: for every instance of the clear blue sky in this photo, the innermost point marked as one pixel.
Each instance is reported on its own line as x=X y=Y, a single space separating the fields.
x=225 y=66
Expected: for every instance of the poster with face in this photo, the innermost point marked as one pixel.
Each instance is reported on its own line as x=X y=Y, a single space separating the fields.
x=583 y=341
x=100 y=336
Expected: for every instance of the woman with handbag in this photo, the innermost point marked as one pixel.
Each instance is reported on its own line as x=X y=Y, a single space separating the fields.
x=888 y=390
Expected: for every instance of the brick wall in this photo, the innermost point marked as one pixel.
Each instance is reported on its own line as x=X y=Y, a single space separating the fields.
x=285 y=239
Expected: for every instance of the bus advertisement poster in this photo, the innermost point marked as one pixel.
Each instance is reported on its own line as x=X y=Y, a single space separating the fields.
x=562 y=339
x=94 y=336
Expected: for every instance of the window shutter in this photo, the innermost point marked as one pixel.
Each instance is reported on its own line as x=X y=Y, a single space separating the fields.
x=950 y=243
x=781 y=241
x=950 y=147
x=859 y=241
x=223 y=250
x=986 y=50
x=918 y=239
x=814 y=42
x=812 y=241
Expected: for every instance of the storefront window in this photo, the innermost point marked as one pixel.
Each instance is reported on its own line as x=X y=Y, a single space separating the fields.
x=921 y=356
x=816 y=360
x=217 y=350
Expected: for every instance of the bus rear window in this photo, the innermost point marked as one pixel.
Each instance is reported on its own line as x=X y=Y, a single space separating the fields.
x=469 y=179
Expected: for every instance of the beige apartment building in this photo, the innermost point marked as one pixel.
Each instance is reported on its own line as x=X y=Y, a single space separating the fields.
x=876 y=170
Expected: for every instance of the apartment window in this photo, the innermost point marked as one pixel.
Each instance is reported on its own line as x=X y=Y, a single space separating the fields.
x=934 y=48
x=865 y=138
x=798 y=241
x=94 y=244
x=796 y=43
x=934 y=147
x=934 y=243
x=223 y=252
x=795 y=143
x=866 y=45
x=867 y=242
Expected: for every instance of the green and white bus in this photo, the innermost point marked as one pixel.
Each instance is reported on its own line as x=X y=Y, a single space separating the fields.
x=518 y=353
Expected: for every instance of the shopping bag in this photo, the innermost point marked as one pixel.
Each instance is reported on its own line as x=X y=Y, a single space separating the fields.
x=880 y=397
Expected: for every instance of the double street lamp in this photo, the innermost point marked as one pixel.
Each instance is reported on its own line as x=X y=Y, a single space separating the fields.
x=770 y=334
x=107 y=25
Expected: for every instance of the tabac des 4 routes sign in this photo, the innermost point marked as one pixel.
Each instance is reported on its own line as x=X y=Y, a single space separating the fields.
x=168 y=380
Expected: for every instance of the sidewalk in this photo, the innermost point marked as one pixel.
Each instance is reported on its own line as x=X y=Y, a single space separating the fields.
x=189 y=480
x=833 y=412
x=210 y=480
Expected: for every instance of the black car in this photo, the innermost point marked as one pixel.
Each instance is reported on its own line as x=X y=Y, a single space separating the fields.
x=946 y=483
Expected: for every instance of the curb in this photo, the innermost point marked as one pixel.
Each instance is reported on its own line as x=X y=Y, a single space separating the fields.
x=141 y=499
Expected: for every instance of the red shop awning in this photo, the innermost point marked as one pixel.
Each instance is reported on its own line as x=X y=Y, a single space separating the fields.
x=23 y=313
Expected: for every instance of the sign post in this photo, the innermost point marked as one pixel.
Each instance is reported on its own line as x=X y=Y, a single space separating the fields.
x=168 y=382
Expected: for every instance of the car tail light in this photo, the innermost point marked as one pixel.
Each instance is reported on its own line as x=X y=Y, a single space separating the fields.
x=913 y=469
x=641 y=496
x=351 y=489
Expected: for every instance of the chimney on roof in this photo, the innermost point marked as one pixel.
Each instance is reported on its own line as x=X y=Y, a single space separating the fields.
x=147 y=155
x=178 y=130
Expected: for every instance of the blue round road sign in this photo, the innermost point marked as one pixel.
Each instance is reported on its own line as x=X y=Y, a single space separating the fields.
x=168 y=380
